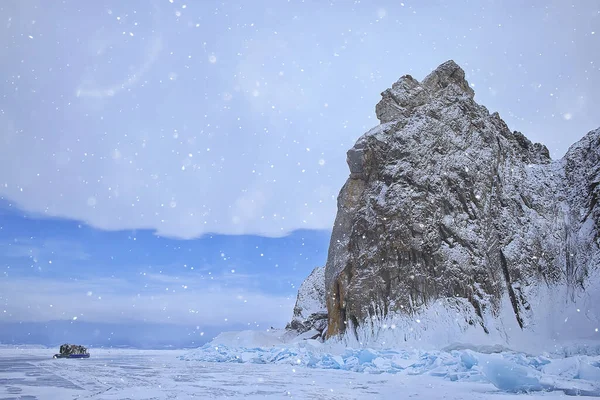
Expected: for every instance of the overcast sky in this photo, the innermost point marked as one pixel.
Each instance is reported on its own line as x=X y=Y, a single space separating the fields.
x=189 y=117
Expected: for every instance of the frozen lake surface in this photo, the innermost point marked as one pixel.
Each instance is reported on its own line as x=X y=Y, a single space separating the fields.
x=137 y=374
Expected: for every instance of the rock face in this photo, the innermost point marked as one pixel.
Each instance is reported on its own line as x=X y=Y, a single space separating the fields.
x=310 y=312
x=445 y=202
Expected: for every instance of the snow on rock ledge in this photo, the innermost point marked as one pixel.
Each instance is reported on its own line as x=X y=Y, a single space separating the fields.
x=310 y=312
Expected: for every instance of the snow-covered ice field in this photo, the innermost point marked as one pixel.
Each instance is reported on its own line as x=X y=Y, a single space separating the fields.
x=169 y=374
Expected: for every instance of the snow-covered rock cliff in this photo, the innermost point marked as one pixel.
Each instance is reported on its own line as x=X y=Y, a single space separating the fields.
x=449 y=220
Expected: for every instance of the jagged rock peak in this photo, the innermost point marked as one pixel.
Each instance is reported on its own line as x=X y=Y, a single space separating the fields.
x=447 y=74
x=407 y=93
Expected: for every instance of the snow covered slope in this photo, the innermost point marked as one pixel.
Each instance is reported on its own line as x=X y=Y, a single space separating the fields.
x=310 y=312
x=250 y=338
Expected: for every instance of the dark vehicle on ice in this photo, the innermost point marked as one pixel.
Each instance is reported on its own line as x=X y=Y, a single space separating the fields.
x=72 y=351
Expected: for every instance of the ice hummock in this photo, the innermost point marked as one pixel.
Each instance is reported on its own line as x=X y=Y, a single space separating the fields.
x=507 y=370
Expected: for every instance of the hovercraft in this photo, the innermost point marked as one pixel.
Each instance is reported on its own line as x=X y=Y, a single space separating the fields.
x=72 y=351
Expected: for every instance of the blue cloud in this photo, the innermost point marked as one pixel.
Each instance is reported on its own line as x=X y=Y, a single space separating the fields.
x=60 y=270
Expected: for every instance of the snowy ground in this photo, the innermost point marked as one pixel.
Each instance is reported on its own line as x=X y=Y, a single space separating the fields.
x=130 y=374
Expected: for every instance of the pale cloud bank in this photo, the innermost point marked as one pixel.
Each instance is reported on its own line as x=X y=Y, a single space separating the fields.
x=166 y=300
